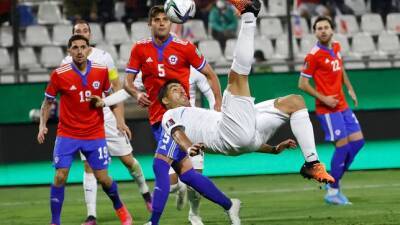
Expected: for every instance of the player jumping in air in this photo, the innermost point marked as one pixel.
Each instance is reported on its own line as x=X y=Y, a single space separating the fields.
x=160 y=58
x=80 y=127
x=240 y=127
x=324 y=64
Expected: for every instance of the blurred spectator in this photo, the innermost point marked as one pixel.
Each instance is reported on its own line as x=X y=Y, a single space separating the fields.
x=134 y=10
x=81 y=9
x=5 y=11
x=25 y=15
x=203 y=8
x=310 y=8
x=338 y=5
x=106 y=10
x=223 y=22
x=384 y=7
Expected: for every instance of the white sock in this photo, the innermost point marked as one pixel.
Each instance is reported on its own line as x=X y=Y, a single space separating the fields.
x=90 y=189
x=304 y=133
x=173 y=188
x=333 y=191
x=244 y=50
x=194 y=201
x=137 y=174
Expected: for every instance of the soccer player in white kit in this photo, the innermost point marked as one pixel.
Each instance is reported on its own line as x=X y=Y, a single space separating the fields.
x=241 y=126
x=117 y=133
x=197 y=81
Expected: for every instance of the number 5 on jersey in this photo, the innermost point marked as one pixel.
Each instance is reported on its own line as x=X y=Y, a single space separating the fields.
x=161 y=70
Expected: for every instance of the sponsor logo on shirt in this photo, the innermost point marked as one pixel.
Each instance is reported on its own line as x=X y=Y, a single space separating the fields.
x=96 y=84
x=149 y=60
x=327 y=61
x=72 y=88
x=170 y=123
x=172 y=59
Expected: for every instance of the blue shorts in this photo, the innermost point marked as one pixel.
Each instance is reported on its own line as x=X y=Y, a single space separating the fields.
x=339 y=125
x=95 y=151
x=168 y=147
x=156 y=129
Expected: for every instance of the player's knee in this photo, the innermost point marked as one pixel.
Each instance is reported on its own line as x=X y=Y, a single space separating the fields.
x=60 y=178
x=292 y=103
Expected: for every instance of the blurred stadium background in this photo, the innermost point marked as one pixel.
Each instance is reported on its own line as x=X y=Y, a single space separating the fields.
x=371 y=51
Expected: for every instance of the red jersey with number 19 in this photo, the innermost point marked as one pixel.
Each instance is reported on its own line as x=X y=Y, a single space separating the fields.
x=158 y=64
x=77 y=118
x=325 y=67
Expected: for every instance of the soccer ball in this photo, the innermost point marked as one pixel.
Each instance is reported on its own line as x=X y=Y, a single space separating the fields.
x=179 y=11
x=34 y=115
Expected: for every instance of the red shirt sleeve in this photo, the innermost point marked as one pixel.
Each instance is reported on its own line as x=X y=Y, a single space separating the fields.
x=134 y=62
x=196 y=59
x=52 y=86
x=309 y=66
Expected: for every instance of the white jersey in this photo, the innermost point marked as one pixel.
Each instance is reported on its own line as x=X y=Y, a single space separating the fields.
x=103 y=58
x=241 y=126
x=196 y=81
x=200 y=125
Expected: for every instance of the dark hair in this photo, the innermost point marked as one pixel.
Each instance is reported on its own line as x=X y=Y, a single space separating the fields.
x=164 y=89
x=81 y=22
x=154 y=11
x=77 y=37
x=323 y=18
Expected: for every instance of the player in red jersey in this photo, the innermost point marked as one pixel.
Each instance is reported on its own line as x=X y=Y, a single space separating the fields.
x=324 y=64
x=161 y=58
x=80 y=127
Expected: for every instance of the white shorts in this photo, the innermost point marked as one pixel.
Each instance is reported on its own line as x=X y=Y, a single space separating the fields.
x=197 y=162
x=237 y=127
x=268 y=119
x=117 y=143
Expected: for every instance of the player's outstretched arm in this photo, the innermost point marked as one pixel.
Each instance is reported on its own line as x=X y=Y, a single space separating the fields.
x=214 y=84
x=287 y=144
x=44 y=117
x=185 y=144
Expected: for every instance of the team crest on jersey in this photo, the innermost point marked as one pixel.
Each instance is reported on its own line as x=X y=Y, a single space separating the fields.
x=172 y=59
x=96 y=84
x=170 y=123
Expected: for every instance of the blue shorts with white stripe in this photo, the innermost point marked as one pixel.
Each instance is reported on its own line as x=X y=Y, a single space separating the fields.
x=339 y=125
x=168 y=147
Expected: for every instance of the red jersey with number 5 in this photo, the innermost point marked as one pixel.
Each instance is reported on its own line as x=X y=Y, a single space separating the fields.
x=158 y=64
x=325 y=66
x=77 y=118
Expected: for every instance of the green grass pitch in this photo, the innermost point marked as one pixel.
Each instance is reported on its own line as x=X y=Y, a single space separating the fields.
x=266 y=199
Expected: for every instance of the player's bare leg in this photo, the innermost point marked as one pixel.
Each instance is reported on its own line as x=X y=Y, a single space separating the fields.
x=135 y=170
x=111 y=189
x=90 y=190
x=295 y=107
